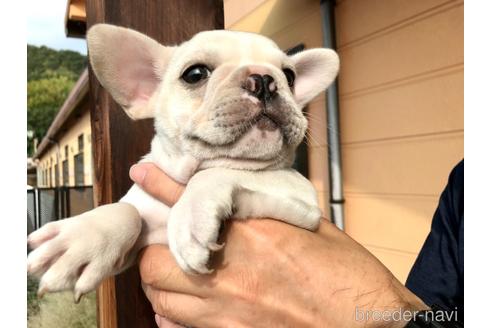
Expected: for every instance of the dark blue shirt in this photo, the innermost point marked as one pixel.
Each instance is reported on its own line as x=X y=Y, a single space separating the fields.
x=437 y=274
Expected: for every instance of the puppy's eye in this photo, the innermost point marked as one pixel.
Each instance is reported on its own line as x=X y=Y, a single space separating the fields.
x=290 y=76
x=195 y=73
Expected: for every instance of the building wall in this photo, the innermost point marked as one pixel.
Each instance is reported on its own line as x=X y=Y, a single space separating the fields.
x=401 y=115
x=401 y=109
x=54 y=154
x=290 y=23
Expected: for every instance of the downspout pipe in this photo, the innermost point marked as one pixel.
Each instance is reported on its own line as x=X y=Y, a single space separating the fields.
x=333 y=122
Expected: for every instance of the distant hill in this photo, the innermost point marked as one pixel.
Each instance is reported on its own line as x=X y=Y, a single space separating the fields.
x=51 y=75
x=43 y=62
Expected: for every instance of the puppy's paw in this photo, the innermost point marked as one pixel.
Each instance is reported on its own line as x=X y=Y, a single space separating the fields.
x=64 y=259
x=78 y=253
x=193 y=230
x=312 y=218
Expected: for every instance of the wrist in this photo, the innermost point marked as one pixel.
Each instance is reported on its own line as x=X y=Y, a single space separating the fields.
x=393 y=307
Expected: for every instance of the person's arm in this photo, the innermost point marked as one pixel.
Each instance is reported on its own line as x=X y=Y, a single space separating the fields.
x=271 y=274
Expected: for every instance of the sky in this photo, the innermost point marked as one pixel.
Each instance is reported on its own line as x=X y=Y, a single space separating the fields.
x=45 y=26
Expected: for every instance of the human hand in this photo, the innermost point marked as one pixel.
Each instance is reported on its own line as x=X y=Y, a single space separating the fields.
x=271 y=274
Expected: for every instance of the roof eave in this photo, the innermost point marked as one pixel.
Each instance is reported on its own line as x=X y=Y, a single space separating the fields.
x=75 y=19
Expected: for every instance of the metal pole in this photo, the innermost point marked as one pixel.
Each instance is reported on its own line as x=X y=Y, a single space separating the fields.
x=38 y=208
x=333 y=122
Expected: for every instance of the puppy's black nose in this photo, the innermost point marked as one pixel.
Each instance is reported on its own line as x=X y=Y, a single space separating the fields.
x=262 y=87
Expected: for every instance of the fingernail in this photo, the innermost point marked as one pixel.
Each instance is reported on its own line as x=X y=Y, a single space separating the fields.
x=76 y=297
x=137 y=173
x=157 y=319
x=41 y=292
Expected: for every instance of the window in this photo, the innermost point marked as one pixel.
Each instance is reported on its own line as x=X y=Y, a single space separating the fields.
x=295 y=49
x=65 y=172
x=78 y=161
x=81 y=143
x=66 y=152
x=57 y=175
x=78 y=167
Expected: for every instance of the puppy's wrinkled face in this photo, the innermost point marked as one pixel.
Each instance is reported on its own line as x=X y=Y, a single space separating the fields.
x=232 y=98
x=228 y=96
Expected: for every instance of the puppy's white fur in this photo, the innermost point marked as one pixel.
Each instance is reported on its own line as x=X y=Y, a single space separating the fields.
x=207 y=136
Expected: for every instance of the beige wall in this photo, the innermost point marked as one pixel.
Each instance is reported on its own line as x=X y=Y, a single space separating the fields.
x=290 y=23
x=401 y=112
x=70 y=139
x=401 y=108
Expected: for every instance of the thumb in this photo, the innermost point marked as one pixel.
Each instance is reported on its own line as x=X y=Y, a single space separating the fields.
x=156 y=183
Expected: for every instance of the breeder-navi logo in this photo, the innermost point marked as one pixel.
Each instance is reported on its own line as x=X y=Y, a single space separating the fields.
x=405 y=315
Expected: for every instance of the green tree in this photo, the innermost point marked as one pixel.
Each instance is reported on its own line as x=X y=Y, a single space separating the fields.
x=43 y=61
x=44 y=98
x=51 y=75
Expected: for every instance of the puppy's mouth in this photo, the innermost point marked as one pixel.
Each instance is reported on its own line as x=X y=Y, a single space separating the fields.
x=266 y=122
x=263 y=122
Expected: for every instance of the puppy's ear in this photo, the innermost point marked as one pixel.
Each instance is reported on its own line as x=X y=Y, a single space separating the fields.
x=129 y=65
x=316 y=69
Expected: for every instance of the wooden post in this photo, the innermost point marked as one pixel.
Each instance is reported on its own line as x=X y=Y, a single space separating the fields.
x=118 y=142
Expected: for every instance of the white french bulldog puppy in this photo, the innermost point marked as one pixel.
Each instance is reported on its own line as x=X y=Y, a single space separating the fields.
x=228 y=118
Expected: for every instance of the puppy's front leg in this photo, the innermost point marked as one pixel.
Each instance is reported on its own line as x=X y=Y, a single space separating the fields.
x=214 y=195
x=194 y=221
x=79 y=252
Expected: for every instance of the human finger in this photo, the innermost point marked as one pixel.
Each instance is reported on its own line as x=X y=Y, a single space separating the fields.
x=155 y=182
x=159 y=269
x=175 y=307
